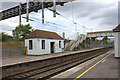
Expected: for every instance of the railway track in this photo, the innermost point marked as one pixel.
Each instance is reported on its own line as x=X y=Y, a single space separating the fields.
x=51 y=70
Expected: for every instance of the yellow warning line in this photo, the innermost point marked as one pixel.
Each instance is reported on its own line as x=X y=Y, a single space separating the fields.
x=92 y=67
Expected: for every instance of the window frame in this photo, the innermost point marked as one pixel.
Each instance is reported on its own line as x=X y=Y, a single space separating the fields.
x=31 y=44
x=43 y=44
x=59 y=44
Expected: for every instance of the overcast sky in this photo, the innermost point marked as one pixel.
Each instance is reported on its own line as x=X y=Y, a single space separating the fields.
x=95 y=16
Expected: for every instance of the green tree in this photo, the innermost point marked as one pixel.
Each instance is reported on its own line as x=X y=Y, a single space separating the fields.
x=3 y=36
x=21 y=31
x=105 y=39
x=93 y=38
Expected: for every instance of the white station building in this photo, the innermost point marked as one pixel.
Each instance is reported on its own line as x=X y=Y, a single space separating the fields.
x=117 y=41
x=44 y=42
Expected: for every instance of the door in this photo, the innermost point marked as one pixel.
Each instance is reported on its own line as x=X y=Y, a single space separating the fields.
x=52 y=47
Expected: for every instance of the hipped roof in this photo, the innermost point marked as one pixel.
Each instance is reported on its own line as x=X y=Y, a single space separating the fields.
x=43 y=34
x=117 y=28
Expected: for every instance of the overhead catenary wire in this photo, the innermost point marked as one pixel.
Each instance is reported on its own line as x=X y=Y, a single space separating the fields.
x=57 y=27
x=9 y=29
x=70 y=28
x=62 y=27
x=55 y=23
x=73 y=16
x=64 y=17
x=74 y=22
x=72 y=12
x=72 y=36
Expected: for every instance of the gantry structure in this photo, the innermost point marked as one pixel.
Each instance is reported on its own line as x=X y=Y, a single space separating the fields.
x=29 y=7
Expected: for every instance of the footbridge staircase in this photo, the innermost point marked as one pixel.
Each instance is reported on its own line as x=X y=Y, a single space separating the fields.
x=75 y=43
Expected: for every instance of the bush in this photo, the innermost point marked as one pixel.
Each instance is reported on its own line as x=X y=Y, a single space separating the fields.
x=3 y=36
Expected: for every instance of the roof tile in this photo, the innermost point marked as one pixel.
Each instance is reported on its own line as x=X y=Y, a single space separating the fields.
x=43 y=34
x=117 y=28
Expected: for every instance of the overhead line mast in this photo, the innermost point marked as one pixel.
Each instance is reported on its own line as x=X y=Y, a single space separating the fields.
x=27 y=10
x=20 y=14
x=54 y=8
x=42 y=11
x=68 y=19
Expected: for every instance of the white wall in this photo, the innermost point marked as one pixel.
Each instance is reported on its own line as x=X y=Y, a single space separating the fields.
x=37 y=46
x=117 y=44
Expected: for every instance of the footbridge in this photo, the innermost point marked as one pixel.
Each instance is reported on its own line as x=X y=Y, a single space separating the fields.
x=100 y=34
x=75 y=43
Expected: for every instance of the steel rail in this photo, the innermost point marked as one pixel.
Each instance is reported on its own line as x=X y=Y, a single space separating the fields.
x=50 y=70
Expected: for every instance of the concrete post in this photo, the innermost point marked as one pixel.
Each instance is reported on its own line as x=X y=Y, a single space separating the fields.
x=117 y=44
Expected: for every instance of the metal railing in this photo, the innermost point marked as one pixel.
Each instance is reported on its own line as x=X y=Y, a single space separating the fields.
x=74 y=43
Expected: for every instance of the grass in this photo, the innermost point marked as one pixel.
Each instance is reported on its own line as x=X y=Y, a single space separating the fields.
x=21 y=44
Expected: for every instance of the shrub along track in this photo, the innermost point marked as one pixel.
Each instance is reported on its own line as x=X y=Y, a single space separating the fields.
x=49 y=70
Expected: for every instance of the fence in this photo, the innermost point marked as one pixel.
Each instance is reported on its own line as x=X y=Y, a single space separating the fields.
x=13 y=52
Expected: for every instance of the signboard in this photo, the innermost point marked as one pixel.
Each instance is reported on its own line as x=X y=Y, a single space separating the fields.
x=57 y=45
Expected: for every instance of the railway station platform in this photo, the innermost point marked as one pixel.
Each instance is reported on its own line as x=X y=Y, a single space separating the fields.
x=47 y=66
x=101 y=67
x=24 y=59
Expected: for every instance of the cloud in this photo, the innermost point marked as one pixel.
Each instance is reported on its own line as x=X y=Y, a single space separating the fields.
x=119 y=12
x=7 y=5
x=95 y=15
x=108 y=16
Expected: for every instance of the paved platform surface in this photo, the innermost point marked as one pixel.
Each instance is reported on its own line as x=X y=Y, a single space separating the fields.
x=106 y=68
x=22 y=59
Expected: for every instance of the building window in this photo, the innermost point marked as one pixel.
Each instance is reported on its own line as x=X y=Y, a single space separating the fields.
x=43 y=44
x=30 y=44
x=59 y=44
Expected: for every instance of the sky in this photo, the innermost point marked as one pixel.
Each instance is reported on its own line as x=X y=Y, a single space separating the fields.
x=94 y=15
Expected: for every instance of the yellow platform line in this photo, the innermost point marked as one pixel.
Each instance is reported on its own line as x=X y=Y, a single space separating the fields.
x=92 y=66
